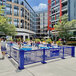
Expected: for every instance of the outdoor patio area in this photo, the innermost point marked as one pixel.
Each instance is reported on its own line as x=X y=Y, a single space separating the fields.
x=55 y=67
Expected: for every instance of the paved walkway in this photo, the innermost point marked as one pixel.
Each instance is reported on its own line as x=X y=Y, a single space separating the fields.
x=59 y=67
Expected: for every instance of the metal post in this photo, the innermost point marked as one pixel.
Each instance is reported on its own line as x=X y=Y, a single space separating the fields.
x=49 y=33
x=21 y=59
x=43 y=61
x=73 y=52
x=10 y=50
x=63 y=53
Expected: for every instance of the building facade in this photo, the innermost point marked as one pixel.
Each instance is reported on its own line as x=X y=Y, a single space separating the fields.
x=56 y=8
x=72 y=12
x=42 y=24
x=22 y=16
x=72 y=9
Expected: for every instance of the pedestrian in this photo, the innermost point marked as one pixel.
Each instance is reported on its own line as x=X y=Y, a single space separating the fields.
x=3 y=48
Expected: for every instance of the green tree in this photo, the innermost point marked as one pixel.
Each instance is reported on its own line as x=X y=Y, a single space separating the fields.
x=64 y=27
x=5 y=27
x=72 y=24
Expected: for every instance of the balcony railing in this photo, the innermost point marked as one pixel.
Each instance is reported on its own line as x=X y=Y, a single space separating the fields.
x=64 y=1
x=65 y=7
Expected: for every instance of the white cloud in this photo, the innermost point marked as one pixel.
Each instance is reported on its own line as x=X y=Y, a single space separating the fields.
x=40 y=7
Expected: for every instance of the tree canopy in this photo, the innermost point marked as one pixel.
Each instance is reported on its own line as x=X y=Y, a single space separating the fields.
x=65 y=26
x=5 y=27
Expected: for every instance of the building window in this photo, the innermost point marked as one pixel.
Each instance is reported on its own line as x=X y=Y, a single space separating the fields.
x=9 y=9
x=53 y=3
x=57 y=16
x=25 y=25
x=22 y=23
x=16 y=1
x=57 y=1
x=52 y=17
x=22 y=3
x=2 y=2
x=16 y=11
x=25 y=14
x=74 y=33
x=16 y=22
x=9 y=0
x=28 y=26
x=22 y=12
x=75 y=10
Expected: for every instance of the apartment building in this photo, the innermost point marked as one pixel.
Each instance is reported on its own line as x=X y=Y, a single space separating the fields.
x=71 y=9
x=72 y=12
x=42 y=23
x=56 y=8
x=22 y=16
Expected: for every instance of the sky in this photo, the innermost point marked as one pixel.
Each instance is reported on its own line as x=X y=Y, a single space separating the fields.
x=38 y=5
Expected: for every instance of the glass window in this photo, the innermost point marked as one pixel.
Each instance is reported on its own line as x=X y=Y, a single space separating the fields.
x=22 y=23
x=25 y=25
x=16 y=1
x=41 y=15
x=16 y=11
x=16 y=22
x=2 y=2
x=75 y=10
x=22 y=3
x=57 y=16
x=22 y=12
x=57 y=1
x=9 y=9
x=9 y=0
x=28 y=26
x=53 y=3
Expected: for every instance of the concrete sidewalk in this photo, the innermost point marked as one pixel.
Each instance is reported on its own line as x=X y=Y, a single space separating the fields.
x=58 y=67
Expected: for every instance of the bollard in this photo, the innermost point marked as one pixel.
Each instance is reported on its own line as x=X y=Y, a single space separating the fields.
x=43 y=57
x=21 y=59
x=73 y=52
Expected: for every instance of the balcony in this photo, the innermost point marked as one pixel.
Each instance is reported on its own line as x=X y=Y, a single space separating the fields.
x=64 y=8
x=54 y=20
x=63 y=1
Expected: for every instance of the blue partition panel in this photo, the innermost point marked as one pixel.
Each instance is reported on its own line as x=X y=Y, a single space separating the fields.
x=67 y=51
x=33 y=56
x=15 y=54
x=53 y=53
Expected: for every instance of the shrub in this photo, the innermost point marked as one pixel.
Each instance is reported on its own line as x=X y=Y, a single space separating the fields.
x=33 y=40
x=18 y=39
x=42 y=40
x=73 y=43
x=48 y=40
x=27 y=40
x=37 y=40
x=59 y=43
